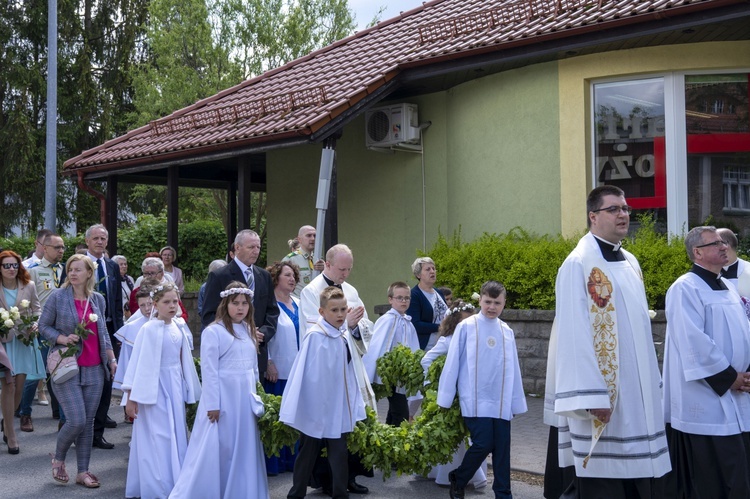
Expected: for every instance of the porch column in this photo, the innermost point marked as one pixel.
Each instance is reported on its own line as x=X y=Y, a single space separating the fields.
x=173 y=213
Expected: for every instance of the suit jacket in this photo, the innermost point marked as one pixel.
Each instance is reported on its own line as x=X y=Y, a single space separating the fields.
x=421 y=313
x=60 y=317
x=25 y=292
x=266 y=313
x=114 y=313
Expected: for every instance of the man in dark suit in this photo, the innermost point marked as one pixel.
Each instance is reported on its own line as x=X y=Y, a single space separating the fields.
x=109 y=284
x=243 y=269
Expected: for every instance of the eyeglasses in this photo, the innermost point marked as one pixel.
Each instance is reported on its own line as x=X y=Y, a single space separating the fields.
x=713 y=243
x=56 y=248
x=7 y=266
x=151 y=274
x=402 y=299
x=615 y=210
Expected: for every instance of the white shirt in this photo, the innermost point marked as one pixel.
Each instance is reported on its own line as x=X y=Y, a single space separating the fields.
x=482 y=363
x=707 y=331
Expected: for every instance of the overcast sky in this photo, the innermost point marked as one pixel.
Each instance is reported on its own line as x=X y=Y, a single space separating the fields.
x=364 y=10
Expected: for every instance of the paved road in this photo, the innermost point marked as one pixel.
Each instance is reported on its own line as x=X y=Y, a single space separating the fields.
x=28 y=475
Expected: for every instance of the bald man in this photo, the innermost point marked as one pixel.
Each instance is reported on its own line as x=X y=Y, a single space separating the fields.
x=303 y=258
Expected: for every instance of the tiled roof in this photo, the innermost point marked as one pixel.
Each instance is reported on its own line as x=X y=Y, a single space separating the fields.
x=299 y=98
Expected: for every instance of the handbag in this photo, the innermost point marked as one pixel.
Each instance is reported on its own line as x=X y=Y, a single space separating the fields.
x=61 y=368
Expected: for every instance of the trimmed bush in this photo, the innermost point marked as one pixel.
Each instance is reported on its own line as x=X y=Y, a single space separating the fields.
x=199 y=243
x=527 y=264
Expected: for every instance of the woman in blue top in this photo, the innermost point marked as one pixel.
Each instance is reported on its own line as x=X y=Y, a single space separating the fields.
x=18 y=298
x=282 y=348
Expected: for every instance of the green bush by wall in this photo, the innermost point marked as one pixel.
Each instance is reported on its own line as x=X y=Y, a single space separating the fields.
x=199 y=243
x=527 y=264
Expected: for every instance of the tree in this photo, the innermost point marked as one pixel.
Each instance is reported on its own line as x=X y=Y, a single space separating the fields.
x=197 y=48
x=96 y=41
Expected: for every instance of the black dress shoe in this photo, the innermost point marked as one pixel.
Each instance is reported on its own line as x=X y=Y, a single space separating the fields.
x=455 y=492
x=356 y=488
x=110 y=423
x=102 y=444
x=14 y=450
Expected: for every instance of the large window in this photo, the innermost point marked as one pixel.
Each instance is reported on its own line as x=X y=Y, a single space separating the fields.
x=718 y=145
x=680 y=141
x=629 y=135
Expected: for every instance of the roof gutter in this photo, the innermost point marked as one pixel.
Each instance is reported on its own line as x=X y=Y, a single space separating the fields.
x=102 y=199
x=190 y=156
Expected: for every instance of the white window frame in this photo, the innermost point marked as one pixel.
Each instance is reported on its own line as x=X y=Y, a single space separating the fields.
x=675 y=138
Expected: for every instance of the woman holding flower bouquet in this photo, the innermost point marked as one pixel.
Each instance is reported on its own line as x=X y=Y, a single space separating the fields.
x=73 y=322
x=19 y=308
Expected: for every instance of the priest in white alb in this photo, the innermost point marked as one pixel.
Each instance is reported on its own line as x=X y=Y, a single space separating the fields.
x=706 y=379
x=603 y=391
x=737 y=270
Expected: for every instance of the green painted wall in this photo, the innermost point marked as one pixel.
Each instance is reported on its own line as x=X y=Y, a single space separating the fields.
x=503 y=159
x=490 y=164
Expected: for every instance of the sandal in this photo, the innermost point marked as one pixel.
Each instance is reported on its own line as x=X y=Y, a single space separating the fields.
x=88 y=480
x=58 y=471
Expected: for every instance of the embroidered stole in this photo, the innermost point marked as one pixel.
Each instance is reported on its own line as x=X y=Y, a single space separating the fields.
x=601 y=290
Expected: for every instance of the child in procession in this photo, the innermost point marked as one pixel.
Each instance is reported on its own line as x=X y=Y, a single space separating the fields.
x=127 y=335
x=322 y=399
x=225 y=456
x=482 y=365
x=458 y=311
x=392 y=329
x=160 y=379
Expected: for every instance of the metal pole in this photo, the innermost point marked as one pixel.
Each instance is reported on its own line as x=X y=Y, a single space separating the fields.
x=50 y=197
x=321 y=203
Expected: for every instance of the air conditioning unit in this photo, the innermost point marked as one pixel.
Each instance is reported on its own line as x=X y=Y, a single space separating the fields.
x=391 y=125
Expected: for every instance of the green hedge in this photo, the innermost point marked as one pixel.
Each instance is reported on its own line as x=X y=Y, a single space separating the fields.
x=199 y=243
x=527 y=264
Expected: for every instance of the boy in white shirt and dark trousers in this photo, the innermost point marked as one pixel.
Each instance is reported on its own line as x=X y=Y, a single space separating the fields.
x=322 y=399
x=482 y=363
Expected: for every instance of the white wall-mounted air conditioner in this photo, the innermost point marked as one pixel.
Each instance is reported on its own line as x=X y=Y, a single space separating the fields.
x=392 y=125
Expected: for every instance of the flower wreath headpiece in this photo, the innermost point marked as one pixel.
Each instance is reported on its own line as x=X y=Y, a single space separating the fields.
x=458 y=310
x=156 y=290
x=237 y=291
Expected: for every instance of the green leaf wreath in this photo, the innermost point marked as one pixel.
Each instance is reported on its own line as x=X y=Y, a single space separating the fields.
x=412 y=447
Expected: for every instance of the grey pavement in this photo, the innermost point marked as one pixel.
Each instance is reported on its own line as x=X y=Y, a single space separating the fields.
x=28 y=475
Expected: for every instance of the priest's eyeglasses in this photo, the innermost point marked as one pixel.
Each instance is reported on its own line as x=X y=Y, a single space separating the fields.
x=615 y=210
x=720 y=242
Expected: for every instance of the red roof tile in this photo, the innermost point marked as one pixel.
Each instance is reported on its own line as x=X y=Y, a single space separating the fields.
x=295 y=100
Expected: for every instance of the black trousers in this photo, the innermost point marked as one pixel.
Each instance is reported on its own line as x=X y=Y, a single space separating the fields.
x=309 y=451
x=398 y=409
x=101 y=412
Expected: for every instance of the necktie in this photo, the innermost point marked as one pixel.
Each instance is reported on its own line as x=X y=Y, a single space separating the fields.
x=249 y=278
x=101 y=277
x=56 y=274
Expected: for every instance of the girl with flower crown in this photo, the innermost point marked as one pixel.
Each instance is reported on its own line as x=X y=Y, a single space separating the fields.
x=225 y=456
x=459 y=311
x=159 y=381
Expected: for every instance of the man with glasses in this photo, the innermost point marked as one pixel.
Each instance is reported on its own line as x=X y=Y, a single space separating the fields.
x=736 y=271
x=38 y=253
x=603 y=384
x=47 y=275
x=153 y=270
x=706 y=383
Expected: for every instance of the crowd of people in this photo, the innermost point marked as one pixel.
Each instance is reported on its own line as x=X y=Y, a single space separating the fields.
x=618 y=427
